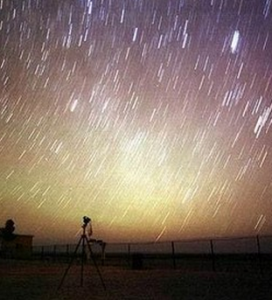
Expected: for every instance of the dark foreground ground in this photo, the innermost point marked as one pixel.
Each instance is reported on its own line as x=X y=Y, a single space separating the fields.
x=40 y=280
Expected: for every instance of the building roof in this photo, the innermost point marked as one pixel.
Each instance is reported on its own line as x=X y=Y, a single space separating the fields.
x=16 y=235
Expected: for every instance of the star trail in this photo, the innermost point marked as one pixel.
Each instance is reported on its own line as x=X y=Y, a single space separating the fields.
x=152 y=117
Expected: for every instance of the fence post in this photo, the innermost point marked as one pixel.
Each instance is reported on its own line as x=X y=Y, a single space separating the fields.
x=42 y=253
x=173 y=255
x=212 y=255
x=259 y=253
x=128 y=256
x=67 y=252
x=32 y=252
x=103 y=253
x=54 y=253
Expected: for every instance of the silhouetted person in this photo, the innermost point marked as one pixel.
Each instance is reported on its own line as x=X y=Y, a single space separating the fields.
x=7 y=231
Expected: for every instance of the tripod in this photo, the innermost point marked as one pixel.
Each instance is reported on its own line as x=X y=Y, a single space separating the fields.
x=83 y=239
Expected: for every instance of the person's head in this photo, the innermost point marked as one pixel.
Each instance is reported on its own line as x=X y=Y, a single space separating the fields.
x=10 y=225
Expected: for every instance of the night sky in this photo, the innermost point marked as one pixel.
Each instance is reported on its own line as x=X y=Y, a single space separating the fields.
x=152 y=117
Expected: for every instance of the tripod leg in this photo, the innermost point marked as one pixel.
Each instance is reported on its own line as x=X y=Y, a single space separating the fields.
x=96 y=266
x=82 y=261
x=70 y=264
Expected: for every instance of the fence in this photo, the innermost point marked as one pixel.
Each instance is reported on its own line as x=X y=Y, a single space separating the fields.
x=225 y=254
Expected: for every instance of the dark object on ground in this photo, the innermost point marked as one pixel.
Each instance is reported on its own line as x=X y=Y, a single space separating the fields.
x=137 y=261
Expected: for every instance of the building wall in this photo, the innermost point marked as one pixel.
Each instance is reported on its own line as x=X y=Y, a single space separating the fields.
x=19 y=247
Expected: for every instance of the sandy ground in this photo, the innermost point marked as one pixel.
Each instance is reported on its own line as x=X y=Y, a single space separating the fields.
x=39 y=280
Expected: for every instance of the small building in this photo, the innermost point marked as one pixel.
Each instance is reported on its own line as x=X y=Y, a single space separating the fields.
x=20 y=246
x=14 y=245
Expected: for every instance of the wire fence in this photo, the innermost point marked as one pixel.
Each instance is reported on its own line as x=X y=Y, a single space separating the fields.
x=222 y=254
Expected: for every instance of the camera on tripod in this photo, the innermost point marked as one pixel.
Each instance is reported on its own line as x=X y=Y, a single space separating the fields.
x=83 y=241
x=86 y=221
